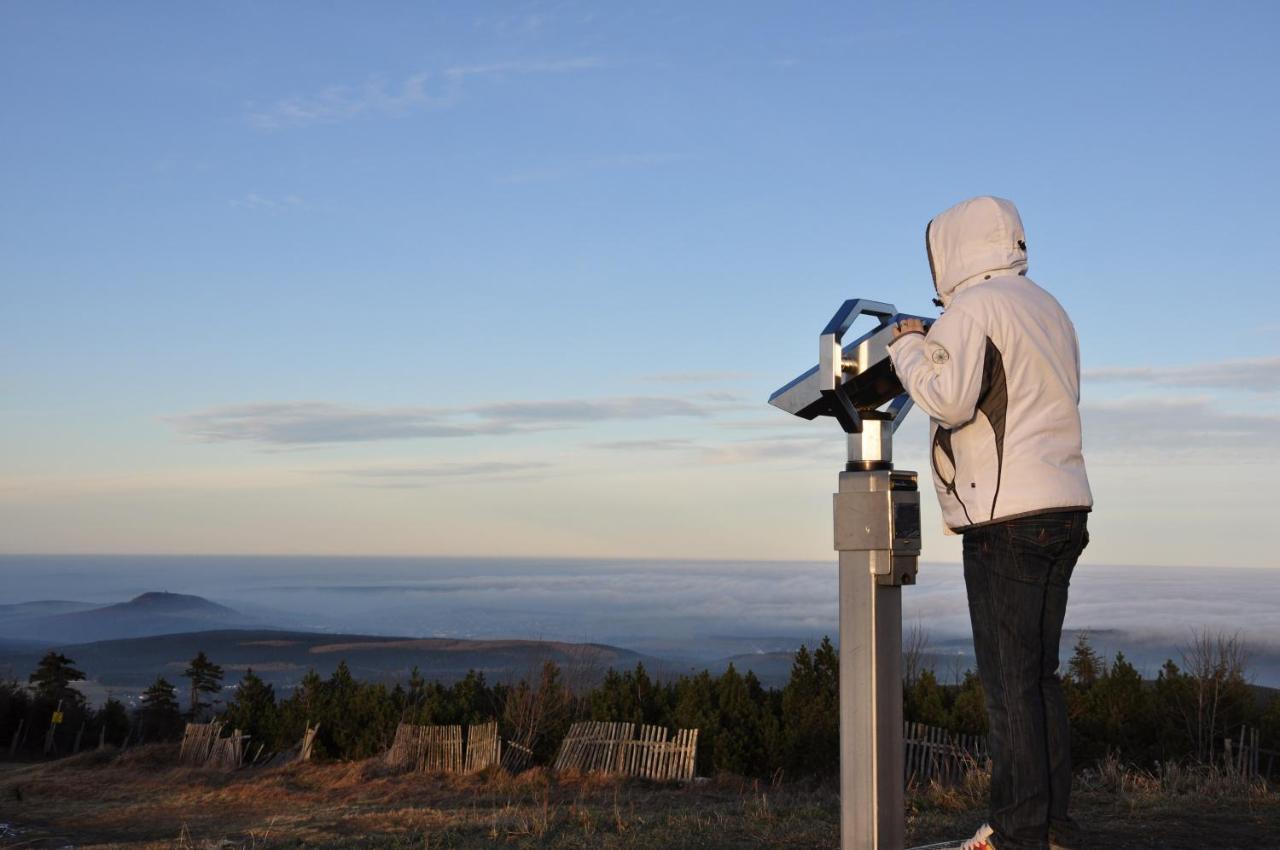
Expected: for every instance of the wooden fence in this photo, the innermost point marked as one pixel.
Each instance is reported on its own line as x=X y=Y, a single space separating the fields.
x=427 y=748
x=516 y=757
x=614 y=748
x=652 y=756
x=935 y=754
x=594 y=746
x=484 y=747
x=204 y=746
x=1244 y=755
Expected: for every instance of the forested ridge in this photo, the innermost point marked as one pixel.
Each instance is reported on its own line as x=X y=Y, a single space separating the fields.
x=1183 y=714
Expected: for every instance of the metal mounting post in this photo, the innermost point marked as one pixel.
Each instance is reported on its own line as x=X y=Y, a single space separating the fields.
x=877 y=535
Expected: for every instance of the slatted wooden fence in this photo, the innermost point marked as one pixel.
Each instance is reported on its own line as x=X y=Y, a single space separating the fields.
x=308 y=742
x=615 y=748
x=936 y=754
x=428 y=748
x=484 y=747
x=441 y=748
x=204 y=746
x=516 y=757
x=1244 y=755
x=653 y=756
x=593 y=746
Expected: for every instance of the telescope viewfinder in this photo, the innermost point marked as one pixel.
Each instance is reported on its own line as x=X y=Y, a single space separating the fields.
x=851 y=382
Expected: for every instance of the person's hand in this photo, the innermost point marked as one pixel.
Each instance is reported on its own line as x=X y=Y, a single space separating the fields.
x=907 y=326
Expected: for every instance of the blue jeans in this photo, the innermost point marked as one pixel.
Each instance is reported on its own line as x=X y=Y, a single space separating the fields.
x=1016 y=573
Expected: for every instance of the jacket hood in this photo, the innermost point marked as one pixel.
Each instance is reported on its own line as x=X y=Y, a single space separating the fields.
x=974 y=241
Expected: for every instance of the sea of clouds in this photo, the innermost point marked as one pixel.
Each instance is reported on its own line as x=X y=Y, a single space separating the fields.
x=691 y=610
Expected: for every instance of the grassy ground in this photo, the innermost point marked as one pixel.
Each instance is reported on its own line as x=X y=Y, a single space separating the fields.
x=139 y=800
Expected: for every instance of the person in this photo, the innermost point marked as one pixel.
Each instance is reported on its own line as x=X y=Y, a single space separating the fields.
x=999 y=376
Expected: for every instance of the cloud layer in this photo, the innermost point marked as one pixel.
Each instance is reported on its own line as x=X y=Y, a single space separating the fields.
x=1259 y=374
x=1193 y=425
x=304 y=423
x=416 y=92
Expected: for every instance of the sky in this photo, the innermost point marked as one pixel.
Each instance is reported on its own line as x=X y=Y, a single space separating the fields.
x=518 y=278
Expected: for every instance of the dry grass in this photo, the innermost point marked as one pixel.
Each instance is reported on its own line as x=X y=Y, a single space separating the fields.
x=140 y=799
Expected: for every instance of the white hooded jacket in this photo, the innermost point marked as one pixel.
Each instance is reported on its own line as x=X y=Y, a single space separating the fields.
x=998 y=374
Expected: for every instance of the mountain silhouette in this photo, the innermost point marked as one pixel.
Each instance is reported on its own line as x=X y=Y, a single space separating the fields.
x=146 y=615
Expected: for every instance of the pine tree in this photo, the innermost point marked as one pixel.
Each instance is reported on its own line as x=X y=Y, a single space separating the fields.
x=1086 y=665
x=695 y=708
x=113 y=719
x=969 y=711
x=924 y=700
x=52 y=680
x=810 y=730
x=206 y=678
x=159 y=715
x=253 y=709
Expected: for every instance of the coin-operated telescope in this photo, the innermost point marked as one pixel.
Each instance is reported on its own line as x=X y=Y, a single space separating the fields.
x=877 y=534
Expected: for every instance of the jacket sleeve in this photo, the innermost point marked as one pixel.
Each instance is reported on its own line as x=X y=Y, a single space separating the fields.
x=942 y=372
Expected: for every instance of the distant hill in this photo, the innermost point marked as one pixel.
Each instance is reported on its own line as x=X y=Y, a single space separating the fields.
x=43 y=608
x=57 y=622
x=283 y=658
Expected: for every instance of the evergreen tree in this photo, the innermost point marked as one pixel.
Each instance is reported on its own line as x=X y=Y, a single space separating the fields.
x=206 y=678
x=810 y=726
x=924 y=700
x=159 y=715
x=739 y=744
x=1086 y=665
x=1120 y=715
x=52 y=680
x=969 y=711
x=113 y=719
x=695 y=708
x=253 y=709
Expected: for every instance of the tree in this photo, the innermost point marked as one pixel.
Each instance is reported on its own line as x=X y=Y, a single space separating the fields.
x=253 y=709
x=538 y=717
x=1217 y=697
x=160 y=716
x=969 y=711
x=52 y=679
x=1086 y=665
x=924 y=700
x=695 y=708
x=206 y=678
x=112 y=720
x=1120 y=711
x=810 y=730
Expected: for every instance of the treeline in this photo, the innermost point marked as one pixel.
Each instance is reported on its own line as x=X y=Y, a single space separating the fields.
x=746 y=729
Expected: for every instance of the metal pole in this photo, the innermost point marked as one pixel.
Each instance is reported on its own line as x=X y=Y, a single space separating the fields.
x=876 y=513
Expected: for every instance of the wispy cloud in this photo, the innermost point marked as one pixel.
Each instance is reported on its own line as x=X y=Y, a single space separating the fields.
x=706 y=376
x=1259 y=374
x=254 y=201
x=662 y=444
x=420 y=475
x=818 y=449
x=309 y=423
x=376 y=96
x=1198 y=426
x=523 y=67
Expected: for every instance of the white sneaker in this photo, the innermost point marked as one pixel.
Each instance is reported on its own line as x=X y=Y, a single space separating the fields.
x=981 y=839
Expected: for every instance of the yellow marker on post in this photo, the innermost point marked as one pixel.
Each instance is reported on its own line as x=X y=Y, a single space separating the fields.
x=57 y=718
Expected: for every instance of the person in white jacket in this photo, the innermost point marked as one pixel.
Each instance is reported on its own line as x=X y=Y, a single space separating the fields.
x=999 y=376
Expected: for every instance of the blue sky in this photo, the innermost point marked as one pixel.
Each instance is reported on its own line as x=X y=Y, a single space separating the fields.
x=517 y=278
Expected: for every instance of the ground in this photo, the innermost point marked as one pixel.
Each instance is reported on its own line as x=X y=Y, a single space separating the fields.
x=140 y=800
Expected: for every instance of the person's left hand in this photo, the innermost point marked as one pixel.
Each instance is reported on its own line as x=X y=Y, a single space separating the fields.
x=907 y=326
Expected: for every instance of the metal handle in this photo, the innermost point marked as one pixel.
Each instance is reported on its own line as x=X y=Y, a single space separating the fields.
x=831 y=357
